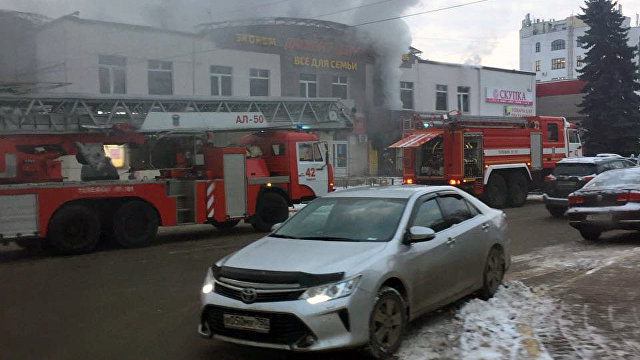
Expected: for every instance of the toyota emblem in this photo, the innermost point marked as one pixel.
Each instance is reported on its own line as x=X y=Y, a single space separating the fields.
x=248 y=295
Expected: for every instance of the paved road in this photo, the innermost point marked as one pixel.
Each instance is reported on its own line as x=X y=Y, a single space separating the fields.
x=143 y=303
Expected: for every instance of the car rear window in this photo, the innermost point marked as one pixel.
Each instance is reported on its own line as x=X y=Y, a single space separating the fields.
x=574 y=169
x=626 y=177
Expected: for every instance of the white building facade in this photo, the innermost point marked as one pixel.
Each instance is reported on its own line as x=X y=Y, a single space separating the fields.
x=96 y=57
x=551 y=48
x=474 y=90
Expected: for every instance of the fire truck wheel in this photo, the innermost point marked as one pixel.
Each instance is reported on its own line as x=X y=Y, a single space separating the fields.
x=518 y=188
x=272 y=209
x=135 y=224
x=496 y=193
x=74 y=229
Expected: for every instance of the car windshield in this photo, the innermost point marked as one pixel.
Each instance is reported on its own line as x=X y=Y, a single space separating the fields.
x=616 y=178
x=345 y=219
x=574 y=169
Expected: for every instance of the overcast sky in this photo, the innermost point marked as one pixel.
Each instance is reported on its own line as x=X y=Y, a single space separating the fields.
x=486 y=31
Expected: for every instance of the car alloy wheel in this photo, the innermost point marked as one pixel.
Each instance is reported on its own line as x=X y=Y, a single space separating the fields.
x=493 y=273
x=387 y=323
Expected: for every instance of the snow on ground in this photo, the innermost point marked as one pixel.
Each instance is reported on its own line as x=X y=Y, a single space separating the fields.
x=565 y=258
x=501 y=328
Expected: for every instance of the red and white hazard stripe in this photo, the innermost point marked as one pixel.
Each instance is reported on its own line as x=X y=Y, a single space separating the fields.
x=210 y=198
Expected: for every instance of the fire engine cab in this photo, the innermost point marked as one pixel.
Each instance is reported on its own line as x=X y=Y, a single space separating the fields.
x=255 y=180
x=497 y=158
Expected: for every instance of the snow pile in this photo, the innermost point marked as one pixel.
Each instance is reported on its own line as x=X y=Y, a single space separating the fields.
x=502 y=328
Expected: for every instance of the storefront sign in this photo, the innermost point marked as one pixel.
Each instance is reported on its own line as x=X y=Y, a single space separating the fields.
x=325 y=63
x=256 y=40
x=508 y=96
x=518 y=111
x=327 y=47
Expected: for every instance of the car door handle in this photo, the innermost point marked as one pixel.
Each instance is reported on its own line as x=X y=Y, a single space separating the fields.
x=485 y=227
x=451 y=242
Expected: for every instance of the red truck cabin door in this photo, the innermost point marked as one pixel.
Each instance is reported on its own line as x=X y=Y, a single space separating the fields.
x=312 y=167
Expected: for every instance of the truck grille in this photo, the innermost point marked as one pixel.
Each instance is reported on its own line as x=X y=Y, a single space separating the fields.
x=285 y=329
x=262 y=296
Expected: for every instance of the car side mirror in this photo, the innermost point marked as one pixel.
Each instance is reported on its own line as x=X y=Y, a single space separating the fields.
x=419 y=234
x=275 y=227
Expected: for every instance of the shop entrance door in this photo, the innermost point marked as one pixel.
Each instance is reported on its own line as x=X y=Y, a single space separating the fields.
x=340 y=158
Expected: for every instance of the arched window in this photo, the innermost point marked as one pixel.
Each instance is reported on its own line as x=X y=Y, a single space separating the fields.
x=557 y=45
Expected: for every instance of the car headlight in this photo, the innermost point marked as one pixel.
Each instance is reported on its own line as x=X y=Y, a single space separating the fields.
x=209 y=283
x=322 y=293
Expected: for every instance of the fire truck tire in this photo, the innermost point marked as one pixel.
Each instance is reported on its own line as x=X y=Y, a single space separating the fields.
x=272 y=209
x=496 y=194
x=135 y=224
x=518 y=188
x=74 y=229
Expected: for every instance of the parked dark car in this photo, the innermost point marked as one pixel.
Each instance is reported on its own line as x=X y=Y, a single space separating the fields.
x=609 y=201
x=572 y=174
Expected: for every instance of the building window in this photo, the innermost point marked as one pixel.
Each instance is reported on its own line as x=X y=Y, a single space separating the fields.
x=258 y=82
x=558 y=63
x=220 y=80
x=441 y=97
x=160 y=77
x=112 y=74
x=538 y=47
x=308 y=86
x=463 y=98
x=579 y=61
x=557 y=45
x=538 y=66
x=406 y=95
x=340 y=87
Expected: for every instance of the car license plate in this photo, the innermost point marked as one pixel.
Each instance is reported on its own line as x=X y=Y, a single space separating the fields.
x=599 y=217
x=241 y=322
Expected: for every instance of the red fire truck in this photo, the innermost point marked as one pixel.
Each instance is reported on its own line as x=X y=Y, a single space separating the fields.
x=256 y=180
x=496 y=158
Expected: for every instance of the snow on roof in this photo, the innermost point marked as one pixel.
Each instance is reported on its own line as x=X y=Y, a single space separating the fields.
x=397 y=191
x=588 y=159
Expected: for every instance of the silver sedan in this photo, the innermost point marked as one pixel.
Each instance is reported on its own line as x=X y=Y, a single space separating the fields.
x=351 y=269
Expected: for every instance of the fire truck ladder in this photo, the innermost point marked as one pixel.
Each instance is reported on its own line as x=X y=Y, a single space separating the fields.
x=55 y=114
x=467 y=121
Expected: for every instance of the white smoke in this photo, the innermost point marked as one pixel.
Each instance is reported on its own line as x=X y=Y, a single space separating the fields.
x=390 y=39
x=476 y=50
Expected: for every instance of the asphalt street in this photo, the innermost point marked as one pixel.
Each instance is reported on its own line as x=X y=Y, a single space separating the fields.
x=143 y=303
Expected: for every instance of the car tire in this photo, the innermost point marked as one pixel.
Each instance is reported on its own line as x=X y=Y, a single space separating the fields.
x=74 y=229
x=225 y=225
x=135 y=224
x=518 y=188
x=493 y=273
x=496 y=193
x=591 y=234
x=272 y=209
x=387 y=323
x=557 y=212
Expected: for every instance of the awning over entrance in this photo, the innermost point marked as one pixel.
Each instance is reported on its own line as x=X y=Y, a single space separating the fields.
x=414 y=140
